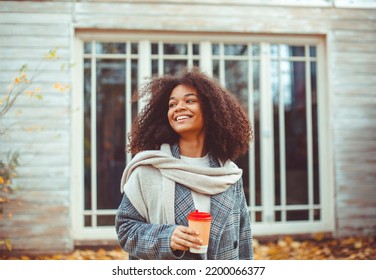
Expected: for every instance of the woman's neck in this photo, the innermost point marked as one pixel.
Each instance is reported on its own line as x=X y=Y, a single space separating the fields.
x=191 y=148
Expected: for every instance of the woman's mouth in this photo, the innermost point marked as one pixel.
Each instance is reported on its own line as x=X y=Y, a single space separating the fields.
x=182 y=117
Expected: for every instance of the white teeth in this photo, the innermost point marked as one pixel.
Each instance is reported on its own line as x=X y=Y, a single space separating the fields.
x=182 y=118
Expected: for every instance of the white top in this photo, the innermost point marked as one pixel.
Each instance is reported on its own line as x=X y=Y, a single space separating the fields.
x=201 y=201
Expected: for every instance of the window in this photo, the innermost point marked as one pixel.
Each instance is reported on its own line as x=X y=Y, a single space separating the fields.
x=279 y=84
x=170 y=57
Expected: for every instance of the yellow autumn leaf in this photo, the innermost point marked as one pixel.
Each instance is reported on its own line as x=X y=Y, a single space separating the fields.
x=57 y=86
x=51 y=54
x=288 y=239
x=101 y=252
x=358 y=244
x=8 y=244
x=318 y=236
x=282 y=243
x=2 y=180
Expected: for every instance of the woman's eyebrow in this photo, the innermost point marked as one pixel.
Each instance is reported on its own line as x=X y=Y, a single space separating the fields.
x=185 y=95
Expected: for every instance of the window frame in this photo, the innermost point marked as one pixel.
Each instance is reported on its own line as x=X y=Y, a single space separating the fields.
x=204 y=40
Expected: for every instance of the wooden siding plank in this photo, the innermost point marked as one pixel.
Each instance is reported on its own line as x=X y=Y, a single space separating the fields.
x=50 y=197
x=25 y=53
x=360 y=135
x=35 y=18
x=33 y=41
x=43 y=160
x=354 y=90
x=356 y=170
x=216 y=24
x=36 y=124
x=353 y=181
x=45 y=77
x=351 y=58
x=363 y=135
x=17 y=232
x=354 y=146
x=41 y=245
x=52 y=113
x=350 y=231
x=353 y=48
x=361 y=80
x=224 y=11
x=41 y=124
x=358 y=101
x=365 y=158
x=36 y=219
x=356 y=115
x=355 y=191
x=360 y=224
x=357 y=201
x=364 y=171
x=20 y=29
x=47 y=148
x=37 y=7
x=354 y=4
x=355 y=69
x=39 y=136
x=22 y=207
x=353 y=36
x=357 y=213
x=306 y=3
x=46 y=171
x=50 y=98
x=42 y=184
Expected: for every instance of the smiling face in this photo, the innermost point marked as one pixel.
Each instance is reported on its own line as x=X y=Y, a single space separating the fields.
x=185 y=113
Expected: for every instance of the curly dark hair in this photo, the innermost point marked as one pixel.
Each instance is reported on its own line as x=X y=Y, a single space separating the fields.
x=227 y=127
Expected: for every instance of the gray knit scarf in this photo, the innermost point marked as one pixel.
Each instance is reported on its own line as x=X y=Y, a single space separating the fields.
x=151 y=189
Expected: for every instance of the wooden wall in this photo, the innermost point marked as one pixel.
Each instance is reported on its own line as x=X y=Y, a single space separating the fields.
x=29 y=29
x=39 y=218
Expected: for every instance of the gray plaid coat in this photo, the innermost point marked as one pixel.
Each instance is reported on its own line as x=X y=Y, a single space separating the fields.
x=230 y=234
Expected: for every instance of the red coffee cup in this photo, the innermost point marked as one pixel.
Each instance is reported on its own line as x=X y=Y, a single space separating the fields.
x=200 y=221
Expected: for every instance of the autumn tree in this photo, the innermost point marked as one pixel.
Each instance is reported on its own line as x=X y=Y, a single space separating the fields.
x=25 y=83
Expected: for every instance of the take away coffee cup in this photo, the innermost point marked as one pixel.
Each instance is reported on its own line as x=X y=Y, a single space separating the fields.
x=200 y=221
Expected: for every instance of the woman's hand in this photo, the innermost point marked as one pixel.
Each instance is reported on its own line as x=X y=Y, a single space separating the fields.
x=184 y=238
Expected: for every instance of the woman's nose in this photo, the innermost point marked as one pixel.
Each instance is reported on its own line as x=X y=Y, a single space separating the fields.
x=180 y=107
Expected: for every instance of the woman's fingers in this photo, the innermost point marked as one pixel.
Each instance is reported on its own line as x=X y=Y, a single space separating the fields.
x=184 y=238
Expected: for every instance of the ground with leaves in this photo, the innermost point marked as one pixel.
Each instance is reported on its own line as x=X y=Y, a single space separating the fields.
x=286 y=248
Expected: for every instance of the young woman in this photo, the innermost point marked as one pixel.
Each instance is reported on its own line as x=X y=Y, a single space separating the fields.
x=184 y=142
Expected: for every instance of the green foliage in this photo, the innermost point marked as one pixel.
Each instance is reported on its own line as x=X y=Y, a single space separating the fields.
x=6 y=243
x=7 y=173
x=8 y=169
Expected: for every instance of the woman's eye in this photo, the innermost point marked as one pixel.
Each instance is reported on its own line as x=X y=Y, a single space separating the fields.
x=171 y=105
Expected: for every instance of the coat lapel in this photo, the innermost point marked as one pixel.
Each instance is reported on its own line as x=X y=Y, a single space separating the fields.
x=183 y=204
x=220 y=205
